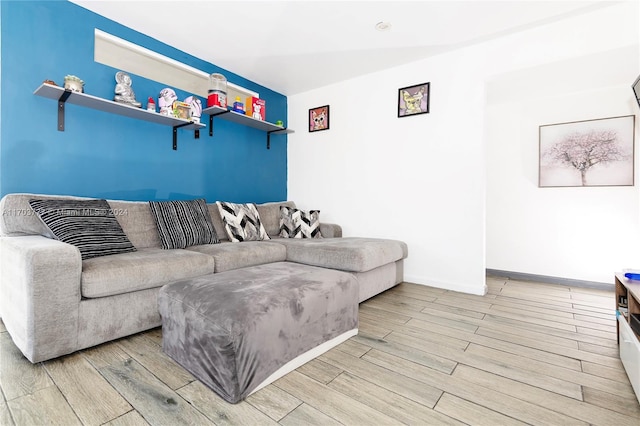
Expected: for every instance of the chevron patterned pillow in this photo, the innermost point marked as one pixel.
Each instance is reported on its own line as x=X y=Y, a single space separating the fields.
x=290 y=223
x=296 y=223
x=89 y=225
x=242 y=222
x=310 y=224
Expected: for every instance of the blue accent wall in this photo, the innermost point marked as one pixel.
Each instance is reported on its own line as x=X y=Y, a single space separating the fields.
x=110 y=156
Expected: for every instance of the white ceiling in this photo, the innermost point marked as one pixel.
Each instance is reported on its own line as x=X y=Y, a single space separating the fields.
x=295 y=46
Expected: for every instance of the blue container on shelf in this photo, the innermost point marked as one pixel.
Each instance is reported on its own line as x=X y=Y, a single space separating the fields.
x=238 y=106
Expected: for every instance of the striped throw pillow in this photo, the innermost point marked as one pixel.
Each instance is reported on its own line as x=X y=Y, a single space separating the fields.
x=183 y=223
x=89 y=225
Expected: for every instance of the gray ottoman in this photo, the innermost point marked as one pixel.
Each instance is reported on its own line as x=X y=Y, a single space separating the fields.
x=236 y=331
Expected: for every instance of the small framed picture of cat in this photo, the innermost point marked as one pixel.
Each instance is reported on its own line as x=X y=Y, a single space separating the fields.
x=413 y=100
x=319 y=118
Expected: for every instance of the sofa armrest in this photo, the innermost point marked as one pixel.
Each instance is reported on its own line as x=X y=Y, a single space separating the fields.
x=330 y=230
x=40 y=295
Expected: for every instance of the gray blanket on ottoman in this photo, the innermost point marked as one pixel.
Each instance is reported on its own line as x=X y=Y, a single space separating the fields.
x=234 y=329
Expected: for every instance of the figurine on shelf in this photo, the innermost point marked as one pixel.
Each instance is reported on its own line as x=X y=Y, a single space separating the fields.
x=73 y=83
x=181 y=110
x=124 y=92
x=195 y=108
x=151 y=105
x=166 y=98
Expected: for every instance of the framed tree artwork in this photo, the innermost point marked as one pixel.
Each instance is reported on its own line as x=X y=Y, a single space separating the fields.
x=597 y=152
x=319 y=118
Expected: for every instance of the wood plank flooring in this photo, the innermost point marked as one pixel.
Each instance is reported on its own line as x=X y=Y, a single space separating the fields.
x=525 y=353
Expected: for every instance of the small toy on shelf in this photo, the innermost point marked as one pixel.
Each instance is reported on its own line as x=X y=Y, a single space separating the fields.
x=73 y=83
x=217 y=94
x=238 y=106
x=195 y=106
x=256 y=108
x=181 y=110
x=123 y=90
x=165 y=101
x=151 y=104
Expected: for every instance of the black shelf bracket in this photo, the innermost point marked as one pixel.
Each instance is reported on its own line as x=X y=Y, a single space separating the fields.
x=175 y=134
x=211 y=121
x=61 y=101
x=269 y=136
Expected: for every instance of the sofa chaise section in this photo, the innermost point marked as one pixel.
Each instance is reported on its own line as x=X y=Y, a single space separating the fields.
x=377 y=263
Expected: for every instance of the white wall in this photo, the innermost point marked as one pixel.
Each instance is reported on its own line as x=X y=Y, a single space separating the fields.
x=579 y=233
x=419 y=178
x=422 y=179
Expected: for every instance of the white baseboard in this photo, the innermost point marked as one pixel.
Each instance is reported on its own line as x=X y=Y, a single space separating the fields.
x=306 y=357
x=570 y=282
x=453 y=286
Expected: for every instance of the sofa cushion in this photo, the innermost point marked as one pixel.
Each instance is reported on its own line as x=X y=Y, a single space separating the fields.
x=89 y=225
x=270 y=215
x=230 y=256
x=242 y=222
x=295 y=223
x=137 y=222
x=216 y=219
x=183 y=223
x=346 y=254
x=17 y=218
x=146 y=268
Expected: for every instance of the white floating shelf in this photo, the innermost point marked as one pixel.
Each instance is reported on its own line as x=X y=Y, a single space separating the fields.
x=239 y=118
x=64 y=96
x=100 y=104
x=245 y=120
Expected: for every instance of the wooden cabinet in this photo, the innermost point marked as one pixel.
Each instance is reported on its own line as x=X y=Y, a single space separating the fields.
x=627 y=305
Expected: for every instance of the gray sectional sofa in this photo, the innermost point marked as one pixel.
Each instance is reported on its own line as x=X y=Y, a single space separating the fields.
x=54 y=303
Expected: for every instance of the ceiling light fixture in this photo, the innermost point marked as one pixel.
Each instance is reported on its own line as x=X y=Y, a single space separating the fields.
x=383 y=26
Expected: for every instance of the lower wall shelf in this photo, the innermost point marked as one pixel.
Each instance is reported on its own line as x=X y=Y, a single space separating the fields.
x=244 y=120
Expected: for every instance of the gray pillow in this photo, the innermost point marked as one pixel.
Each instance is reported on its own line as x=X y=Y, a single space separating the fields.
x=183 y=224
x=89 y=225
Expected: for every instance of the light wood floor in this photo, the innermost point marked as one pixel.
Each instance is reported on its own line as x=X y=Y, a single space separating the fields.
x=526 y=353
